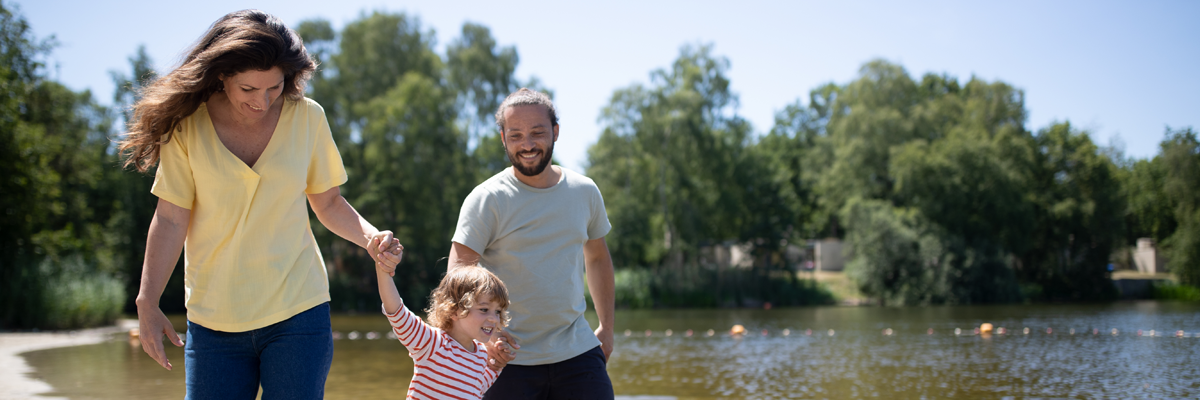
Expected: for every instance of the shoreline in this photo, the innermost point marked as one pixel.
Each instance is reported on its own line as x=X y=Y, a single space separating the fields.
x=17 y=379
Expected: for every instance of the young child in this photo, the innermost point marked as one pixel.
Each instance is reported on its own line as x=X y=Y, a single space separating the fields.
x=449 y=353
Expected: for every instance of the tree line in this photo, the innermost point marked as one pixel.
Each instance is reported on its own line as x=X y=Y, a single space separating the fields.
x=941 y=193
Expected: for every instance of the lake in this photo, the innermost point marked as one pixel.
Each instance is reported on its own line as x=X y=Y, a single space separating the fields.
x=827 y=352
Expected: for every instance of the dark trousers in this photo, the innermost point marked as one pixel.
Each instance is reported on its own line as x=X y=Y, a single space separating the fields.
x=581 y=377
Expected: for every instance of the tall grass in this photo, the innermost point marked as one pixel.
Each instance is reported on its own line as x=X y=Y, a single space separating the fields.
x=76 y=296
x=701 y=288
x=1175 y=291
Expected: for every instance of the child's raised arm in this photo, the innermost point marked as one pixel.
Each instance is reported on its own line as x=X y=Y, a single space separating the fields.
x=387 y=287
x=388 y=293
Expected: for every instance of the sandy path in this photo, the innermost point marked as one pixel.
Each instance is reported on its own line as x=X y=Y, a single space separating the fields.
x=17 y=379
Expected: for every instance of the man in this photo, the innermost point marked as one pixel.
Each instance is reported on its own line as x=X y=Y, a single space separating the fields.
x=540 y=228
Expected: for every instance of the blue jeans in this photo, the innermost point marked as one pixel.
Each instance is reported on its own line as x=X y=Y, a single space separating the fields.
x=290 y=359
x=583 y=377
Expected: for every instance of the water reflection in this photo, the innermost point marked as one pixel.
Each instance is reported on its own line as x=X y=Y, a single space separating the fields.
x=830 y=352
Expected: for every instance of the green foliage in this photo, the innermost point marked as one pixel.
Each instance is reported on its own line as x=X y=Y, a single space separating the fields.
x=674 y=163
x=1078 y=217
x=58 y=197
x=1149 y=210
x=1173 y=291
x=404 y=119
x=947 y=176
x=19 y=52
x=901 y=258
x=654 y=288
x=481 y=73
x=75 y=296
x=941 y=193
x=128 y=199
x=1181 y=160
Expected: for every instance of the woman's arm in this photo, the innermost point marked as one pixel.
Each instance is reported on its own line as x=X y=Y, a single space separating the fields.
x=342 y=219
x=163 y=245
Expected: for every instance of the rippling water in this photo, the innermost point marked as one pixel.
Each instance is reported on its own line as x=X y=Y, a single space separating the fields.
x=856 y=361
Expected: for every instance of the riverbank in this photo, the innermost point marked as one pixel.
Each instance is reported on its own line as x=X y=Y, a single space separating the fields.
x=1133 y=285
x=18 y=380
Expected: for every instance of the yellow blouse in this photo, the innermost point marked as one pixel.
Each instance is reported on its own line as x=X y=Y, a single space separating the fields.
x=250 y=257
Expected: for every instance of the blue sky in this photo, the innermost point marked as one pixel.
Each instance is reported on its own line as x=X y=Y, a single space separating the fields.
x=1117 y=69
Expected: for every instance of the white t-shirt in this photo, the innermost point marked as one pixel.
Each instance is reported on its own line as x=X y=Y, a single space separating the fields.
x=532 y=239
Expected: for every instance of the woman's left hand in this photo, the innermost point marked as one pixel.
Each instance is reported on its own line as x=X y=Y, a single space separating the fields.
x=386 y=251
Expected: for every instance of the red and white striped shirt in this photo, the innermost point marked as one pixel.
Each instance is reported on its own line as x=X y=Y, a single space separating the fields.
x=442 y=369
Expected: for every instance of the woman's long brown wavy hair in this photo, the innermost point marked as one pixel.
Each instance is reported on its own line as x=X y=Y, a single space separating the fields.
x=240 y=41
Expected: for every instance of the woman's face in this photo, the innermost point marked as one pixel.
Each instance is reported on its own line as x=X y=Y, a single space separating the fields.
x=251 y=93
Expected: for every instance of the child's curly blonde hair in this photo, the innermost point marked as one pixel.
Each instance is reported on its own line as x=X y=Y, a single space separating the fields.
x=458 y=291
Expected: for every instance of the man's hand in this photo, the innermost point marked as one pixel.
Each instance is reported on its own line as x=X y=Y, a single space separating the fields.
x=606 y=340
x=501 y=349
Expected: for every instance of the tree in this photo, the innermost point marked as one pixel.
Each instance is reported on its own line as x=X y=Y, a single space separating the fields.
x=682 y=175
x=57 y=256
x=1181 y=160
x=401 y=118
x=1078 y=220
x=482 y=74
x=19 y=51
x=667 y=160
x=128 y=193
x=970 y=202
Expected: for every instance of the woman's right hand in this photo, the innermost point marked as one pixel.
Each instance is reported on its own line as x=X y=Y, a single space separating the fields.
x=152 y=325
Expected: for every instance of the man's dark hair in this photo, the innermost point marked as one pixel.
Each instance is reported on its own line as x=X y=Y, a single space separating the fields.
x=526 y=97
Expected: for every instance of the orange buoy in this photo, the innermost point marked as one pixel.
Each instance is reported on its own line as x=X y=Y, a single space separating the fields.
x=985 y=328
x=737 y=330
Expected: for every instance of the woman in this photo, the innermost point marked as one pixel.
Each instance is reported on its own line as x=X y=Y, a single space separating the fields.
x=239 y=150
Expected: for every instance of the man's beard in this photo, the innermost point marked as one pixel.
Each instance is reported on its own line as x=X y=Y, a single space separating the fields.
x=536 y=169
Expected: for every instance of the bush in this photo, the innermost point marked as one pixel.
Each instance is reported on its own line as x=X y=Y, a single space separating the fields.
x=900 y=258
x=1172 y=291
x=74 y=296
x=697 y=287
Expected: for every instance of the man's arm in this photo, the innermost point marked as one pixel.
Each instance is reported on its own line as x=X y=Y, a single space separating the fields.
x=461 y=255
x=502 y=348
x=599 y=267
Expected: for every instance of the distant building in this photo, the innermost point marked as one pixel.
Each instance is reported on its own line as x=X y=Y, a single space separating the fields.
x=828 y=255
x=807 y=255
x=1147 y=259
x=727 y=255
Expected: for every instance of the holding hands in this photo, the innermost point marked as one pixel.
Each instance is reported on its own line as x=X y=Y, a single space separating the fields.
x=500 y=349
x=385 y=250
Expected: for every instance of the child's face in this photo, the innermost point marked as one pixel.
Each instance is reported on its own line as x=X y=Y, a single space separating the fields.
x=480 y=321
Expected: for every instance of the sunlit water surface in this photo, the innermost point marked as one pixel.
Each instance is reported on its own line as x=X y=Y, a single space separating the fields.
x=856 y=361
